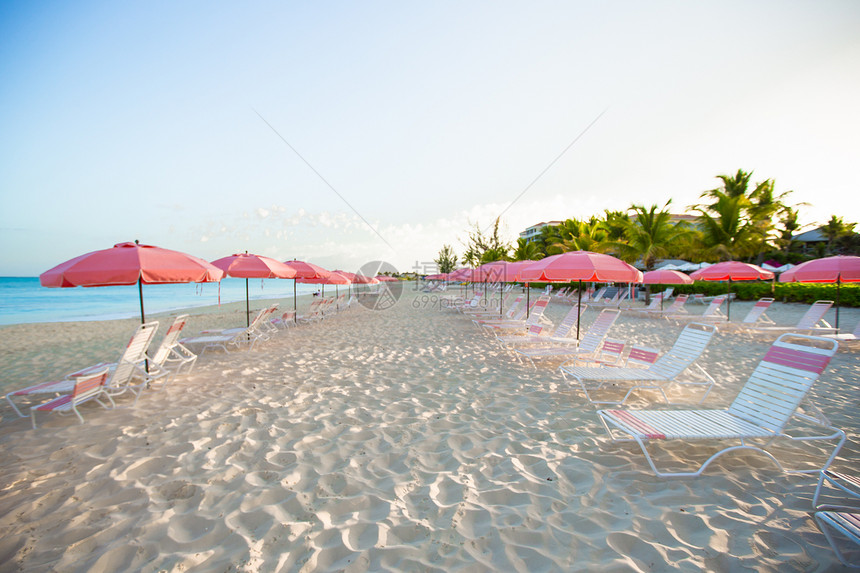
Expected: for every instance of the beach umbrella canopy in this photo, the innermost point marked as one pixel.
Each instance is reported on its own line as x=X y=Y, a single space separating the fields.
x=839 y=269
x=128 y=264
x=666 y=277
x=307 y=270
x=250 y=266
x=731 y=271
x=385 y=278
x=580 y=266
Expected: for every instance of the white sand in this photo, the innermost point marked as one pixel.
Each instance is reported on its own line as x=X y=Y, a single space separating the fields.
x=398 y=440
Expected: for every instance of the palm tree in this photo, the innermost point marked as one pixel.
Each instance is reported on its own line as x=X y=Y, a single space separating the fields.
x=527 y=251
x=649 y=235
x=575 y=235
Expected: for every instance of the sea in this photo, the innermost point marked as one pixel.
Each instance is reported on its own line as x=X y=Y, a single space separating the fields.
x=24 y=300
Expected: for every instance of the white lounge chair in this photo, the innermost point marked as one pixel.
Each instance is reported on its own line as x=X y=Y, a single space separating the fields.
x=846 y=336
x=517 y=311
x=711 y=313
x=844 y=483
x=572 y=348
x=86 y=388
x=688 y=347
x=812 y=322
x=233 y=337
x=560 y=335
x=676 y=308
x=132 y=362
x=171 y=354
x=535 y=316
x=847 y=524
x=761 y=411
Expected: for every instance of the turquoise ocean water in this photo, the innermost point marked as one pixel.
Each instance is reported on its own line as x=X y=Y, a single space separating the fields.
x=24 y=300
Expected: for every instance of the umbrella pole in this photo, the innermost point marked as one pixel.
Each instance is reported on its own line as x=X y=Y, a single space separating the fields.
x=501 y=298
x=140 y=293
x=295 y=304
x=142 y=317
x=729 y=301
x=838 y=282
x=528 y=302
x=337 y=304
x=578 y=307
x=247 y=305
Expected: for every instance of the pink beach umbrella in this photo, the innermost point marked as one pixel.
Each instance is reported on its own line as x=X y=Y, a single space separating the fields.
x=661 y=277
x=666 y=277
x=250 y=266
x=308 y=272
x=839 y=269
x=731 y=271
x=128 y=264
x=581 y=266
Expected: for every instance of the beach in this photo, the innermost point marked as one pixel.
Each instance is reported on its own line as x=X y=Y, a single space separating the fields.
x=393 y=440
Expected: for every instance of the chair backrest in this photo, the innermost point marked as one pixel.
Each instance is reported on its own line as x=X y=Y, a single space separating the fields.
x=171 y=339
x=714 y=308
x=535 y=329
x=782 y=379
x=676 y=305
x=815 y=314
x=569 y=321
x=687 y=348
x=88 y=386
x=757 y=311
x=642 y=356
x=133 y=355
x=512 y=310
x=611 y=350
x=598 y=329
x=537 y=310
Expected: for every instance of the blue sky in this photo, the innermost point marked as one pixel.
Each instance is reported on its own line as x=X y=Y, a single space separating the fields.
x=126 y=121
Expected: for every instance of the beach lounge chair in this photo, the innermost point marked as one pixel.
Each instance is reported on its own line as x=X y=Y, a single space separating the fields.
x=286 y=320
x=536 y=316
x=535 y=334
x=233 y=337
x=132 y=361
x=517 y=311
x=847 y=525
x=653 y=305
x=610 y=353
x=761 y=411
x=812 y=322
x=711 y=313
x=171 y=354
x=572 y=348
x=674 y=309
x=755 y=317
x=314 y=313
x=844 y=483
x=842 y=518
x=688 y=347
x=846 y=336
x=86 y=388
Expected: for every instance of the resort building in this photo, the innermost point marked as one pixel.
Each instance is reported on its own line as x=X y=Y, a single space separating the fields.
x=533 y=232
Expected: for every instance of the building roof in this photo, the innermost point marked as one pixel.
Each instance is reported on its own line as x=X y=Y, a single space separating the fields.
x=812 y=236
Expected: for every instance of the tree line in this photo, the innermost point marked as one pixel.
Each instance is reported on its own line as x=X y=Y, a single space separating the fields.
x=739 y=220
